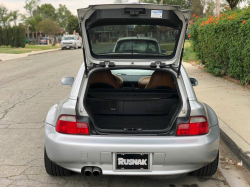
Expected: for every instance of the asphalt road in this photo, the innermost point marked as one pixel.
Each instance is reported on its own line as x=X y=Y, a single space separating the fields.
x=28 y=88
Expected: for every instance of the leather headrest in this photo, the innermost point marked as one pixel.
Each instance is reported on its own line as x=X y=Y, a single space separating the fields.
x=160 y=78
x=143 y=82
x=104 y=77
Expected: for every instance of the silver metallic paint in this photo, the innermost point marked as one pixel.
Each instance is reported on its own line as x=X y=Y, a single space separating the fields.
x=182 y=154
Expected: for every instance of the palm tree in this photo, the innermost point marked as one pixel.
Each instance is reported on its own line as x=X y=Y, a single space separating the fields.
x=31 y=24
x=14 y=15
x=26 y=23
x=4 y=16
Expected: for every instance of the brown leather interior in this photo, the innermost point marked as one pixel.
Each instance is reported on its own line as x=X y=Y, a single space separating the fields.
x=119 y=80
x=104 y=77
x=160 y=78
x=143 y=82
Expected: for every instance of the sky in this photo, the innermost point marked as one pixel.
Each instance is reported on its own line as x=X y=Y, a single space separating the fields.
x=72 y=5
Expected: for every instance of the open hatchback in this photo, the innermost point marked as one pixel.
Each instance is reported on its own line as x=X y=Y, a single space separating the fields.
x=132 y=109
x=145 y=43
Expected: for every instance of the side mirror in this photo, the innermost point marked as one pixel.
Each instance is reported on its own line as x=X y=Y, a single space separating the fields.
x=163 y=51
x=193 y=81
x=67 y=81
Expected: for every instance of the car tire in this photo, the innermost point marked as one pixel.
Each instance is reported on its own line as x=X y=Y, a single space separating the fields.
x=53 y=169
x=207 y=170
x=62 y=48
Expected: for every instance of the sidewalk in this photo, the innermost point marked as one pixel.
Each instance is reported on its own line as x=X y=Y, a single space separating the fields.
x=4 y=57
x=231 y=102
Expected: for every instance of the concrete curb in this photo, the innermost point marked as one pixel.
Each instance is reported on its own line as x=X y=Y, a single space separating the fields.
x=235 y=143
x=45 y=51
x=7 y=57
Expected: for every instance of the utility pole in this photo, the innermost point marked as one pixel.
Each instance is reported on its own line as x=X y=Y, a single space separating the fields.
x=217 y=7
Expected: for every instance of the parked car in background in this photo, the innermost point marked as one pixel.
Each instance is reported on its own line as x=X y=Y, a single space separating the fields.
x=57 y=39
x=44 y=40
x=136 y=45
x=70 y=41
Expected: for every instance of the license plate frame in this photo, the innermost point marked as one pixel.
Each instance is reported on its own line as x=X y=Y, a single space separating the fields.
x=134 y=165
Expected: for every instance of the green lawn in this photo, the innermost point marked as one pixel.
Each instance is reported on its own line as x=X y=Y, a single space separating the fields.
x=189 y=55
x=168 y=46
x=27 y=49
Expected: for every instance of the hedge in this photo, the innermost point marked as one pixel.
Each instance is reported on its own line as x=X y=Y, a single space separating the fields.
x=223 y=43
x=14 y=36
x=1 y=36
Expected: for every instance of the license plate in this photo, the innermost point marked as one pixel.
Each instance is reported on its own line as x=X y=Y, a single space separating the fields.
x=67 y=46
x=135 y=161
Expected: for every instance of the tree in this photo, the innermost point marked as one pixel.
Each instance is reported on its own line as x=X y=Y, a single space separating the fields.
x=49 y=27
x=30 y=6
x=47 y=11
x=5 y=36
x=233 y=3
x=11 y=36
x=210 y=8
x=22 y=35
x=1 y=36
x=217 y=6
x=4 y=16
x=17 y=36
x=26 y=23
x=198 y=7
x=182 y=3
x=31 y=23
x=73 y=24
x=63 y=15
x=14 y=15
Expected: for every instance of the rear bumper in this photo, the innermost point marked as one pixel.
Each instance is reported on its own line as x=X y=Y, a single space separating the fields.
x=68 y=45
x=169 y=154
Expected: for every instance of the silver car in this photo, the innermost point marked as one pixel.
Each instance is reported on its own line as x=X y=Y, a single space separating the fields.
x=132 y=110
x=70 y=41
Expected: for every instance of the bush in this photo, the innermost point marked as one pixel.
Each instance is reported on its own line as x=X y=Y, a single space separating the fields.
x=1 y=36
x=223 y=43
x=11 y=36
x=5 y=36
x=17 y=37
x=22 y=36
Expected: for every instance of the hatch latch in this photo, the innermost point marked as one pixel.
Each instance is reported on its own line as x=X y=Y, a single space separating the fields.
x=135 y=11
x=107 y=64
x=157 y=64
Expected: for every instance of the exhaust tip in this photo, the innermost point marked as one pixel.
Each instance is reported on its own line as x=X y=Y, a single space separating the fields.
x=96 y=171
x=87 y=171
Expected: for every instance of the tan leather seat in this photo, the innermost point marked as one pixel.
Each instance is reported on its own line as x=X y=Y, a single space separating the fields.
x=160 y=78
x=143 y=82
x=119 y=80
x=104 y=77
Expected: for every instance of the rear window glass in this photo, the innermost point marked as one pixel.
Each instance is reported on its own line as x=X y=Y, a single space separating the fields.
x=115 y=40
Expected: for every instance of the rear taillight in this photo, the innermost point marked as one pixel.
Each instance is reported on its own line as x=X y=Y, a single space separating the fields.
x=70 y=125
x=196 y=126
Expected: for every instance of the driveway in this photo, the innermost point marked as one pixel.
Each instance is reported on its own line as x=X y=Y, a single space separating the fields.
x=29 y=86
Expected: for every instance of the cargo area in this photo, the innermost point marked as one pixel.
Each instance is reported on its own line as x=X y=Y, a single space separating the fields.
x=130 y=109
